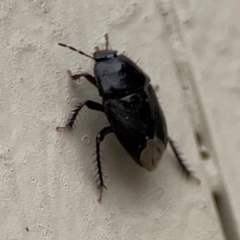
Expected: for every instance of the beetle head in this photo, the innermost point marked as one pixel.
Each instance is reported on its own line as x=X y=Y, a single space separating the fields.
x=104 y=55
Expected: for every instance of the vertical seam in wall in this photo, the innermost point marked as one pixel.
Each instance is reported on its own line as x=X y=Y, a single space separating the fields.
x=192 y=101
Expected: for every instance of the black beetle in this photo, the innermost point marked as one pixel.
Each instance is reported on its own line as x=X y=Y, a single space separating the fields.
x=132 y=109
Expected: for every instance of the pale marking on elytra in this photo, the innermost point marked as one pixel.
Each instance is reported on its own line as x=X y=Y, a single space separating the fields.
x=152 y=153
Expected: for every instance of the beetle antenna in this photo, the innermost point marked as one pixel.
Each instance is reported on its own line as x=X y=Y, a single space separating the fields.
x=74 y=49
x=106 y=41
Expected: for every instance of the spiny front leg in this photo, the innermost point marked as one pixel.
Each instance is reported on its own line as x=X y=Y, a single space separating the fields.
x=71 y=119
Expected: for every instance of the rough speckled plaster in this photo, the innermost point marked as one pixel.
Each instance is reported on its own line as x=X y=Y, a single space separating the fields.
x=189 y=48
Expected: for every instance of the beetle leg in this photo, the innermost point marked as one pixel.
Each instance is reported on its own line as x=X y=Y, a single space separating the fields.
x=88 y=76
x=156 y=88
x=90 y=104
x=100 y=137
x=182 y=163
x=97 y=49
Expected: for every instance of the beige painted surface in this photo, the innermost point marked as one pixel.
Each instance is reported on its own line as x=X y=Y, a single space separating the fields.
x=47 y=188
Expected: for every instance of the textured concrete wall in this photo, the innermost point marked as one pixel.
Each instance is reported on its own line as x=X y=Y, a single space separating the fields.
x=190 y=49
